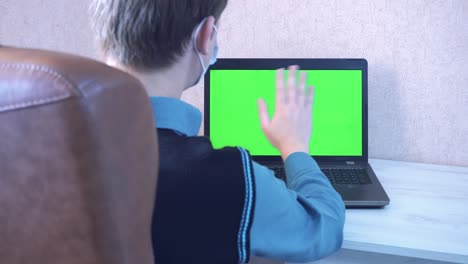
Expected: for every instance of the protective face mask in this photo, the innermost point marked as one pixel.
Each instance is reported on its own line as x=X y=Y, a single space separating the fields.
x=213 y=57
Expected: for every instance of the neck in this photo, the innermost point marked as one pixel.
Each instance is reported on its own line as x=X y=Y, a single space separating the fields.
x=168 y=82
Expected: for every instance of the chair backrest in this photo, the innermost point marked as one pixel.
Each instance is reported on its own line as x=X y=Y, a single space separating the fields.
x=78 y=161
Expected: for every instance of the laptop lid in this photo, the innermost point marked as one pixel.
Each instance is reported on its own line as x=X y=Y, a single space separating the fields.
x=233 y=86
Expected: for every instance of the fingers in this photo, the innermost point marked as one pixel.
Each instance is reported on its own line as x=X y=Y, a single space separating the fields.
x=291 y=88
x=295 y=91
x=301 y=89
x=263 y=113
x=280 y=86
x=310 y=96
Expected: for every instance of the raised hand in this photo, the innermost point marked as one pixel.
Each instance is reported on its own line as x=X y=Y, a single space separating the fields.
x=290 y=128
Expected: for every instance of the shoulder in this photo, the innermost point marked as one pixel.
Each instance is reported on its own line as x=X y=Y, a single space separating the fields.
x=230 y=153
x=197 y=148
x=229 y=161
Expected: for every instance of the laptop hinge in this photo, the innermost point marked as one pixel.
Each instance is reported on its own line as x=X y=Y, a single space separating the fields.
x=350 y=163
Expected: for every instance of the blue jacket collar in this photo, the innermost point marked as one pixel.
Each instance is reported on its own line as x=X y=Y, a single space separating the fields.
x=174 y=114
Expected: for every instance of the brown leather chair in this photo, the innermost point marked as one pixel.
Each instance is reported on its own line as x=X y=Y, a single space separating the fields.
x=78 y=161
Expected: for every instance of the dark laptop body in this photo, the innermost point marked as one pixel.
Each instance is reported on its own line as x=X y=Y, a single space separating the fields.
x=351 y=176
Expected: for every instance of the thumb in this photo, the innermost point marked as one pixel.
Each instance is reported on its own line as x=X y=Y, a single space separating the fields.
x=263 y=112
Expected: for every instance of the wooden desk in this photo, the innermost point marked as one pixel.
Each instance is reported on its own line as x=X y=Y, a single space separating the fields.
x=427 y=216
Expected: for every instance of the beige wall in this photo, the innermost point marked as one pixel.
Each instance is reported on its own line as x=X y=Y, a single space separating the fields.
x=417 y=52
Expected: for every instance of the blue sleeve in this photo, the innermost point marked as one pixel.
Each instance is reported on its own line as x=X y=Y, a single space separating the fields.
x=299 y=222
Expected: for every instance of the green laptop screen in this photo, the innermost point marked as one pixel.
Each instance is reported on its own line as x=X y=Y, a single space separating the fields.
x=337 y=111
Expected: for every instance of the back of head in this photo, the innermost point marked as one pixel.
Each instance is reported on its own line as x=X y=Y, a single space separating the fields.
x=78 y=161
x=149 y=34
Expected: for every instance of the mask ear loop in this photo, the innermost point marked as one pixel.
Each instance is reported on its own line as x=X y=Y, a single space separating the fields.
x=214 y=57
x=195 y=43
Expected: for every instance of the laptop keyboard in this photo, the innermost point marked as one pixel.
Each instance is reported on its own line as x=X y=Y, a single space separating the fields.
x=335 y=175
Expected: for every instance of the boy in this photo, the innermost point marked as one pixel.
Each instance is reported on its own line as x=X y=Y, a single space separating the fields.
x=217 y=205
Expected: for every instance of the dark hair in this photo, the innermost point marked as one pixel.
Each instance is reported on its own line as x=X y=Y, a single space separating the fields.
x=149 y=34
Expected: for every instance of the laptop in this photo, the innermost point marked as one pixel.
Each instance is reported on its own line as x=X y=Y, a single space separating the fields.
x=339 y=140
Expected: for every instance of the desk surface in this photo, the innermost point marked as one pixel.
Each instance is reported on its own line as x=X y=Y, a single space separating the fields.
x=427 y=216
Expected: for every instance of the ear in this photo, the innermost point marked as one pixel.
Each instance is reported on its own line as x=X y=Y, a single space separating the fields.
x=206 y=36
